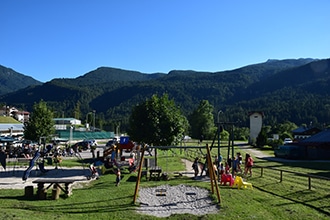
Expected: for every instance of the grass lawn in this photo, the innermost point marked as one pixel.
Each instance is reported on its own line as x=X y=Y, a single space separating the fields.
x=270 y=198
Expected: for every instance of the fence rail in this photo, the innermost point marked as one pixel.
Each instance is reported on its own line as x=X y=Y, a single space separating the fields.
x=309 y=176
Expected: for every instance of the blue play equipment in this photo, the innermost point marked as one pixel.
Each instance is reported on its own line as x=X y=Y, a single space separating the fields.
x=27 y=172
x=3 y=159
x=42 y=167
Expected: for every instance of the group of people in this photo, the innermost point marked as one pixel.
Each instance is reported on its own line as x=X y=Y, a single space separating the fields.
x=232 y=165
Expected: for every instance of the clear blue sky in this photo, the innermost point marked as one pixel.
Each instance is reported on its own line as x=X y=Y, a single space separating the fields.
x=48 y=39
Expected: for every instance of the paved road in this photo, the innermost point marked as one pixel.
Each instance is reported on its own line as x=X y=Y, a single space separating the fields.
x=261 y=155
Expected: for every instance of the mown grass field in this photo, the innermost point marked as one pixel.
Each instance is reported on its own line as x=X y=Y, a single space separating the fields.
x=270 y=198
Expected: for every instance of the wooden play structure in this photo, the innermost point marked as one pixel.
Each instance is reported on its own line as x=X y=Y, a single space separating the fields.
x=114 y=156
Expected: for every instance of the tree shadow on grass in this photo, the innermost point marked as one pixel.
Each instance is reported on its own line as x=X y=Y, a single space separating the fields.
x=109 y=205
x=290 y=198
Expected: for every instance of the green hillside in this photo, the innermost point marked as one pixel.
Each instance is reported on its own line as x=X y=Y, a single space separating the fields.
x=293 y=90
x=11 y=80
x=8 y=120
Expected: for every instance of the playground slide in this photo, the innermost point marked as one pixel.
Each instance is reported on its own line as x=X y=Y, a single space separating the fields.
x=27 y=172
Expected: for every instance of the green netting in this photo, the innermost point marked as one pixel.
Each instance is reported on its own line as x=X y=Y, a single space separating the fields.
x=79 y=135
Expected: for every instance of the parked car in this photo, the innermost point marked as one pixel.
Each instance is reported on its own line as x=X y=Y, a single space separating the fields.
x=288 y=152
x=287 y=140
x=111 y=142
x=91 y=142
x=83 y=145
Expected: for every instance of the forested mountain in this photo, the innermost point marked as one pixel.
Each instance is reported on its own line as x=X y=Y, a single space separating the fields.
x=11 y=80
x=294 y=90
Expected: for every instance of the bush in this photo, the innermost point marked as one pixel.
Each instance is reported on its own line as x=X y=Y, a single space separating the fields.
x=275 y=143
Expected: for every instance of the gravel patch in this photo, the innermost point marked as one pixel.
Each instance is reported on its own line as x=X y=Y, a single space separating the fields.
x=179 y=199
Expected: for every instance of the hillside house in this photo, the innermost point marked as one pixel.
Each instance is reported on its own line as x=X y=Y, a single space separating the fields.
x=21 y=116
x=304 y=132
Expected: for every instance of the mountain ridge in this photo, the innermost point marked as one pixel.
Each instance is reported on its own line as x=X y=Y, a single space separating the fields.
x=112 y=92
x=12 y=81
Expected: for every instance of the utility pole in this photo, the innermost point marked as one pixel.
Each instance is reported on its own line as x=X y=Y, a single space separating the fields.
x=94 y=120
x=219 y=126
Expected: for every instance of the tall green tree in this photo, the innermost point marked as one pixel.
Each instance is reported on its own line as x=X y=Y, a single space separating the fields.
x=202 y=121
x=262 y=138
x=40 y=124
x=76 y=110
x=157 y=121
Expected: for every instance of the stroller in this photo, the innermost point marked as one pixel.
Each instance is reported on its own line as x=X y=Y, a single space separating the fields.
x=94 y=173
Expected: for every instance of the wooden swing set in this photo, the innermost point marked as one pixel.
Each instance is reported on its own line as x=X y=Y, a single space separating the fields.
x=212 y=172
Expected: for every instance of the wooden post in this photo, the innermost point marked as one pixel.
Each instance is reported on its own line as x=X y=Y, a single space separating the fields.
x=309 y=183
x=212 y=173
x=281 y=176
x=41 y=192
x=28 y=191
x=55 y=192
x=68 y=189
x=42 y=195
x=139 y=175
x=210 y=167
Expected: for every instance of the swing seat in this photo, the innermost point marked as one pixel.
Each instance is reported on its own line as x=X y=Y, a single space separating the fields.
x=160 y=192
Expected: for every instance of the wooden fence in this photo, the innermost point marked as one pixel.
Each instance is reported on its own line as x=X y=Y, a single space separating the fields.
x=309 y=177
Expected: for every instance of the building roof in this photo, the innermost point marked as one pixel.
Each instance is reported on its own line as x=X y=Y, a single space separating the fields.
x=306 y=130
x=319 y=138
x=16 y=127
x=256 y=112
x=64 y=119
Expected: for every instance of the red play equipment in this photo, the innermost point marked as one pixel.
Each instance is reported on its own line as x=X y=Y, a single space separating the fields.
x=125 y=143
x=227 y=178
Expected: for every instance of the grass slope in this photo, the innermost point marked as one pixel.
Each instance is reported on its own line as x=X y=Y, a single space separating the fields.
x=270 y=198
x=8 y=120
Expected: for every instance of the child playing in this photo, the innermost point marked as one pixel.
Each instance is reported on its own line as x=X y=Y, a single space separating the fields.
x=195 y=166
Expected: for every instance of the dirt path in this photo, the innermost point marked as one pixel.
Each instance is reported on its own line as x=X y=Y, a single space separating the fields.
x=253 y=152
x=189 y=171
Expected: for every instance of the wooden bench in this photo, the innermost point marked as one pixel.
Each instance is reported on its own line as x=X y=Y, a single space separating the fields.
x=155 y=173
x=56 y=183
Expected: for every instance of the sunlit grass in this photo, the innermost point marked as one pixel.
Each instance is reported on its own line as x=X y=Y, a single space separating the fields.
x=101 y=199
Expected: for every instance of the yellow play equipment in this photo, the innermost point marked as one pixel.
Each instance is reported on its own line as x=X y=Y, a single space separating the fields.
x=239 y=183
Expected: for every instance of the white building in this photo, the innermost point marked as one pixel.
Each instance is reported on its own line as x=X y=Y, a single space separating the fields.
x=255 y=125
x=62 y=123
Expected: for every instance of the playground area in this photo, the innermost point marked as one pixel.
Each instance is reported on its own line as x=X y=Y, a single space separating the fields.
x=160 y=201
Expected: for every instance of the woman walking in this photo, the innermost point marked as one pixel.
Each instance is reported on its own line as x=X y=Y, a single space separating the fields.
x=248 y=164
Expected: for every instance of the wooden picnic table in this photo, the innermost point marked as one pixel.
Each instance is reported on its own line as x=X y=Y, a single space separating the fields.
x=56 y=183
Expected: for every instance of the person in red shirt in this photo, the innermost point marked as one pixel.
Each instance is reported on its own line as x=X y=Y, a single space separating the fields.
x=248 y=164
